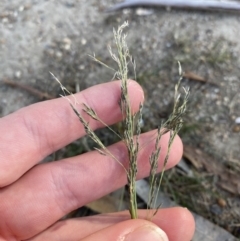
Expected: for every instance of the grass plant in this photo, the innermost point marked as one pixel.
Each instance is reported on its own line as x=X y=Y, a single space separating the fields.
x=132 y=124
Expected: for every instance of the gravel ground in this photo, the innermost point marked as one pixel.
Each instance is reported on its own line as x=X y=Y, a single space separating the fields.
x=38 y=37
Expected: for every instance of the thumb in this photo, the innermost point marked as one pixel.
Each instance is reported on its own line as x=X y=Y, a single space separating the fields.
x=130 y=230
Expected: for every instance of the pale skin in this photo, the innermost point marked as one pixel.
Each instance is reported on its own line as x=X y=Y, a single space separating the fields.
x=34 y=197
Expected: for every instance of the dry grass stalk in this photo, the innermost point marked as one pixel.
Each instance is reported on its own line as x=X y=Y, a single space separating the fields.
x=172 y=125
x=132 y=123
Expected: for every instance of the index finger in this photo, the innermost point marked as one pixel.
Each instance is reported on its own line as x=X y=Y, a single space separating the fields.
x=34 y=132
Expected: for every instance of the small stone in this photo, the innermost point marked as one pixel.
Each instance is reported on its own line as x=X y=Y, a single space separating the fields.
x=21 y=8
x=225 y=99
x=81 y=67
x=67 y=41
x=144 y=12
x=126 y=11
x=59 y=54
x=237 y=120
x=221 y=202
x=18 y=74
x=218 y=102
x=236 y=128
x=83 y=41
x=5 y=20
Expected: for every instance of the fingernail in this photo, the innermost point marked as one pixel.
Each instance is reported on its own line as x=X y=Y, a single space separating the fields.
x=146 y=233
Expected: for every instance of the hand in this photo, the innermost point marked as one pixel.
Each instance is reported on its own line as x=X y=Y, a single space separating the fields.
x=34 y=197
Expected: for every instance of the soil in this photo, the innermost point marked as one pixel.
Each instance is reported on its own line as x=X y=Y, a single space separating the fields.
x=38 y=37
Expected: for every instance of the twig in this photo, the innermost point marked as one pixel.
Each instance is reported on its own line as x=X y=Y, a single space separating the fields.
x=41 y=95
x=196 y=77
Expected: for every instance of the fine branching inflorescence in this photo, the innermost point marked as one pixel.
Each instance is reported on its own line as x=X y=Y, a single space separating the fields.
x=132 y=124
